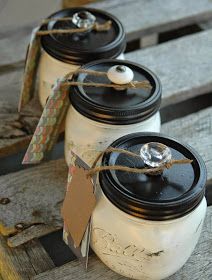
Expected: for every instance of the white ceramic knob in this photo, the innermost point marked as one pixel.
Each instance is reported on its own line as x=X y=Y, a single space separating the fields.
x=120 y=74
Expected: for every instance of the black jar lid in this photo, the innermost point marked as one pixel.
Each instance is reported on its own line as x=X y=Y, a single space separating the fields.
x=112 y=106
x=80 y=49
x=173 y=194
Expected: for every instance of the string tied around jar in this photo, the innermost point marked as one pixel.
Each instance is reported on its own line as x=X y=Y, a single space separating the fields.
x=156 y=157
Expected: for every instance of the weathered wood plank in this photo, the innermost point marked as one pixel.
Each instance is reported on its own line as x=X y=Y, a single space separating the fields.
x=197 y=267
x=139 y=18
x=206 y=25
x=10 y=86
x=22 y=263
x=35 y=195
x=13 y=45
x=17 y=23
x=38 y=257
x=15 y=129
x=30 y=233
x=10 y=263
x=28 y=190
x=146 y=17
x=24 y=12
x=196 y=130
x=183 y=65
x=76 y=3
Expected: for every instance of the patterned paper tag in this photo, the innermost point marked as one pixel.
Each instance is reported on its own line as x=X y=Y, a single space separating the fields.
x=31 y=65
x=77 y=226
x=49 y=125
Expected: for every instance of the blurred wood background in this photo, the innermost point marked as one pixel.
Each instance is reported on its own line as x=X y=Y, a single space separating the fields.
x=75 y=3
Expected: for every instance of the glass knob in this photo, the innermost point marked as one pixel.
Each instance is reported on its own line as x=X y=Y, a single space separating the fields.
x=155 y=154
x=83 y=19
x=120 y=74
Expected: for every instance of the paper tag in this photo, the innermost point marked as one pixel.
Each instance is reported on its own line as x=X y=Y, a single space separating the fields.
x=49 y=125
x=82 y=251
x=31 y=65
x=78 y=204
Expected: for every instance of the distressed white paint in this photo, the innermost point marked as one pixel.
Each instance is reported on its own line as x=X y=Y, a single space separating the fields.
x=87 y=137
x=143 y=249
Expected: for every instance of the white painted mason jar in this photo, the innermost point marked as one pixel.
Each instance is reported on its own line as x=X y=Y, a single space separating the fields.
x=144 y=226
x=67 y=52
x=99 y=115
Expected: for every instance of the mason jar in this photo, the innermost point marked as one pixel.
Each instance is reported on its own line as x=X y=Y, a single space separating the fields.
x=63 y=53
x=147 y=226
x=99 y=115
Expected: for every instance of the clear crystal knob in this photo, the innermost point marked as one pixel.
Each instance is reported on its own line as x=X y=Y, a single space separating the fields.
x=83 y=19
x=155 y=154
x=120 y=74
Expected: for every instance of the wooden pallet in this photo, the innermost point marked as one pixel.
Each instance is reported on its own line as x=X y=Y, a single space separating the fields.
x=184 y=67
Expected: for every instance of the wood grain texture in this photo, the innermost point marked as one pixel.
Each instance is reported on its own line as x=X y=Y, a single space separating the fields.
x=38 y=257
x=24 y=262
x=76 y=3
x=183 y=66
x=36 y=195
x=23 y=12
x=195 y=130
x=197 y=267
x=15 y=129
x=146 y=17
x=13 y=44
x=30 y=233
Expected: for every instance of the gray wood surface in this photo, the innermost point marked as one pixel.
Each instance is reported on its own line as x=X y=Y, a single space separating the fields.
x=15 y=129
x=36 y=195
x=195 y=130
x=139 y=18
x=30 y=233
x=29 y=189
x=23 y=262
x=197 y=267
x=145 y=17
x=13 y=44
x=183 y=66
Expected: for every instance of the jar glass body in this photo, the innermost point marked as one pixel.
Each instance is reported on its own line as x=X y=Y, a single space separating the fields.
x=143 y=249
x=87 y=137
x=51 y=69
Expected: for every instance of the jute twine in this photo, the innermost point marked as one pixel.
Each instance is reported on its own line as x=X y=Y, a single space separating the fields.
x=96 y=27
x=134 y=84
x=151 y=171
